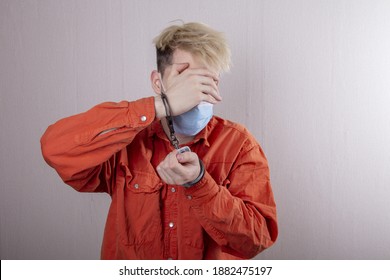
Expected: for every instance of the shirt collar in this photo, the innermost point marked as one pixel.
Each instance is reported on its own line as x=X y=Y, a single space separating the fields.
x=157 y=129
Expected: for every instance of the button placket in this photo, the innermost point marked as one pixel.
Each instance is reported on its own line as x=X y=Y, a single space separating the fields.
x=170 y=212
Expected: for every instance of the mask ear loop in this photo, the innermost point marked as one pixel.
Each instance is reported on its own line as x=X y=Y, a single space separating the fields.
x=164 y=98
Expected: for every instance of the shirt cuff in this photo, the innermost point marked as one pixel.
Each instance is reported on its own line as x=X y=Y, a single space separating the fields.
x=142 y=112
x=202 y=190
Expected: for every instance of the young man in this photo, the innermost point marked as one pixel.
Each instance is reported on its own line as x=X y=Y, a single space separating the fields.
x=213 y=201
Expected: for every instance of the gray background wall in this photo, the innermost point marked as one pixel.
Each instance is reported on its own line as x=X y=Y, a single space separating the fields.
x=311 y=80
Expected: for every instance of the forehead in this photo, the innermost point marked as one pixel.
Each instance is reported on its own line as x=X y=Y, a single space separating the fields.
x=182 y=56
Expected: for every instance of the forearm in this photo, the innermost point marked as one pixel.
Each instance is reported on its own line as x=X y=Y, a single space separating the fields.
x=77 y=145
x=246 y=227
x=241 y=214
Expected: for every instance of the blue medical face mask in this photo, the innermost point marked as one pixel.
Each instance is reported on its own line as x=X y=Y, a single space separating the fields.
x=192 y=122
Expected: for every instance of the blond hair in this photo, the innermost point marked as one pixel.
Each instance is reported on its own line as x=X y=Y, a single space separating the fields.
x=196 y=38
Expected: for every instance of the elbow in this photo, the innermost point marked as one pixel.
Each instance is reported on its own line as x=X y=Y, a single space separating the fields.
x=252 y=245
x=46 y=149
x=267 y=237
x=253 y=250
x=51 y=153
x=50 y=148
x=53 y=146
x=262 y=239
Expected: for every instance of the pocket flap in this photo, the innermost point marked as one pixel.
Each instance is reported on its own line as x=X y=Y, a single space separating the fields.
x=144 y=182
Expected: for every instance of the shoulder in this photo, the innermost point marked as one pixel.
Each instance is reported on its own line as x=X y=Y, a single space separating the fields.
x=231 y=132
x=218 y=124
x=228 y=124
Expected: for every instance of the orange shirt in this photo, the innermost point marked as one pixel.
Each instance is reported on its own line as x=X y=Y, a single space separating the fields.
x=115 y=148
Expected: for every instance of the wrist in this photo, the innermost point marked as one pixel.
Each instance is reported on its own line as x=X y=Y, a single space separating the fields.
x=159 y=107
x=197 y=179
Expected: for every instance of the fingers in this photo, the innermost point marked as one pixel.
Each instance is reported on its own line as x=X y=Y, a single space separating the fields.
x=203 y=72
x=178 y=169
x=178 y=68
x=183 y=68
x=188 y=88
x=169 y=168
x=206 y=84
x=210 y=90
x=187 y=158
x=166 y=176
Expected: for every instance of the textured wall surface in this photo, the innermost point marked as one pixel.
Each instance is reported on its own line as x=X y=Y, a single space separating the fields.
x=311 y=80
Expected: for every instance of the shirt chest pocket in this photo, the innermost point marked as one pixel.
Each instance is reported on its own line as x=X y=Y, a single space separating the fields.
x=138 y=212
x=143 y=183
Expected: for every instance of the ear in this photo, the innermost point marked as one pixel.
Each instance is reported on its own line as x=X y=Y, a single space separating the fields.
x=155 y=81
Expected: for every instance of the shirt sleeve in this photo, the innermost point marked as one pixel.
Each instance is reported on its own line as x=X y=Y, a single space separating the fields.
x=240 y=217
x=82 y=148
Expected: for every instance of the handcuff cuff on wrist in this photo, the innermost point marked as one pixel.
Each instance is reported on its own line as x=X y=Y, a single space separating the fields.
x=175 y=142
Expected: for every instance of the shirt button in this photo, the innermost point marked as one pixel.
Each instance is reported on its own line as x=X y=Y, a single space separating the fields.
x=143 y=118
x=136 y=186
x=173 y=190
x=189 y=197
x=171 y=224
